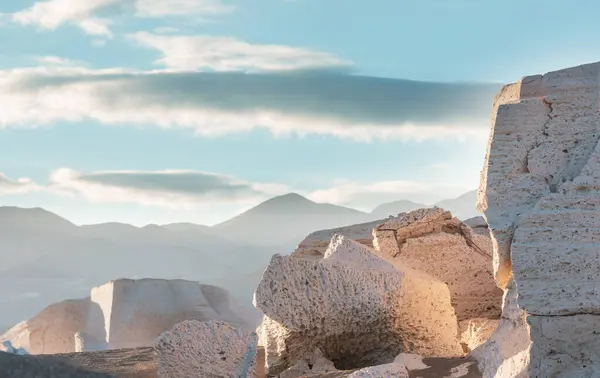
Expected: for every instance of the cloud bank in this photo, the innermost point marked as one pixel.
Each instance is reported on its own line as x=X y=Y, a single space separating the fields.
x=189 y=189
x=218 y=103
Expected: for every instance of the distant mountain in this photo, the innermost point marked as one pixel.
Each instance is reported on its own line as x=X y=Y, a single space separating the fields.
x=395 y=208
x=286 y=219
x=179 y=227
x=462 y=207
x=46 y=259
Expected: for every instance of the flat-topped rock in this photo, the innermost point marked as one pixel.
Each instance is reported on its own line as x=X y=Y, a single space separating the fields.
x=122 y=314
x=358 y=309
x=435 y=242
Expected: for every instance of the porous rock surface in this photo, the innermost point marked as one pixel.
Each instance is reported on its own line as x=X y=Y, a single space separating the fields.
x=435 y=242
x=206 y=349
x=392 y=370
x=315 y=245
x=122 y=314
x=540 y=193
x=314 y=364
x=358 y=309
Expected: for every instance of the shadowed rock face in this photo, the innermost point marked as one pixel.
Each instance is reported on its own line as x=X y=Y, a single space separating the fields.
x=358 y=309
x=540 y=193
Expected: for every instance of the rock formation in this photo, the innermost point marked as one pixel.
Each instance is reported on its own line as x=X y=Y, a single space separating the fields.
x=540 y=193
x=206 y=349
x=315 y=244
x=313 y=364
x=392 y=370
x=358 y=309
x=434 y=242
x=122 y=314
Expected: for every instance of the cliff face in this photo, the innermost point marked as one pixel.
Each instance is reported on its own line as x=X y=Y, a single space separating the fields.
x=540 y=193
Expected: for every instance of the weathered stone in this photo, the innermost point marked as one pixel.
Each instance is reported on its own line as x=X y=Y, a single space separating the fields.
x=122 y=314
x=315 y=245
x=434 y=242
x=206 y=349
x=392 y=370
x=540 y=191
x=506 y=352
x=474 y=332
x=358 y=309
x=311 y=365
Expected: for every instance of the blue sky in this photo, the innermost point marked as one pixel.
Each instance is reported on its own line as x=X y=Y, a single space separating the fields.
x=147 y=111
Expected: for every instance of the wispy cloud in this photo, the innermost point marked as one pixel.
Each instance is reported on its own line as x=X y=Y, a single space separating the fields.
x=90 y=15
x=212 y=104
x=191 y=53
x=54 y=13
x=189 y=189
x=19 y=186
x=168 y=189
x=366 y=196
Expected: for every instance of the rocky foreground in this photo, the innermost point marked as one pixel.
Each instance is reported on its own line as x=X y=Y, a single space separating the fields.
x=419 y=295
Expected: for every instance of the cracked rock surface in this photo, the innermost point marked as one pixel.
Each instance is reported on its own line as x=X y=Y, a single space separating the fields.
x=435 y=242
x=540 y=196
x=358 y=309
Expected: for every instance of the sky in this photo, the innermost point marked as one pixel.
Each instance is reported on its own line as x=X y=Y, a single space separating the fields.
x=161 y=111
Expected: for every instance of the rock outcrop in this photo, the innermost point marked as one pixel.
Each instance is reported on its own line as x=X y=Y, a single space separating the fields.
x=358 y=309
x=434 y=242
x=540 y=193
x=315 y=245
x=122 y=314
x=206 y=349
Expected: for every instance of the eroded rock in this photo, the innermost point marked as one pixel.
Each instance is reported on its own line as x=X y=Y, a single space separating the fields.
x=206 y=349
x=122 y=314
x=435 y=242
x=358 y=309
x=540 y=196
x=392 y=370
x=315 y=245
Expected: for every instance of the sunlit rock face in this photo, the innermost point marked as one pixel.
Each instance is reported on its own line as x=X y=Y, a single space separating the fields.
x=358 y=309
x=435 y=242
x=122 y=314
x=540 y=193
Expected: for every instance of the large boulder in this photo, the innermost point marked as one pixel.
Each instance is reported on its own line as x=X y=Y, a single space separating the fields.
x=122 y=314
x=206 y=349
x=358 y=309
x=435 y=242
x=540 y=194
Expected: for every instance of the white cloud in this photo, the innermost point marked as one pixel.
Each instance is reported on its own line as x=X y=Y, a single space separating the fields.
x=191 y=53
x=58 y=61
x=51 y=14
x=212 y=104
x=189 y=189
x=366 y=196
x=161 y=8
x=19 y=186
x=172 y=189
